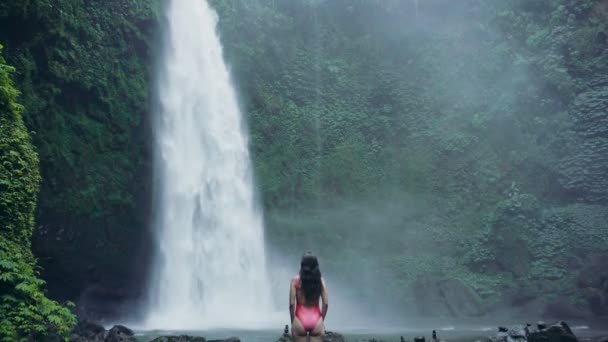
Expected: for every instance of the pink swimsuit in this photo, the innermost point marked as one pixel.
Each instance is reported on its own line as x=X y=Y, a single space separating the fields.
x=309 y=316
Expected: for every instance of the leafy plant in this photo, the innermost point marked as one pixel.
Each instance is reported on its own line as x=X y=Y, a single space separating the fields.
x=25 y=312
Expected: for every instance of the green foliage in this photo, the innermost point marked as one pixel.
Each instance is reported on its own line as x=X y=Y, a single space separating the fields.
x=473 y=112
x=83 y=69
x=24 y=310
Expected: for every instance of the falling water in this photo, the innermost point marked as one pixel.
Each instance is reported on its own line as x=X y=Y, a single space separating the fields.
x=210 y=268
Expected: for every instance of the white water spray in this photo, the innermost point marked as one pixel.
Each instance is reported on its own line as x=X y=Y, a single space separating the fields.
x=210 y=269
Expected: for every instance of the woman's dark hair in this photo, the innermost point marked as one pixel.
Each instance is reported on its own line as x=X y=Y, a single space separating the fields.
x=310 y=277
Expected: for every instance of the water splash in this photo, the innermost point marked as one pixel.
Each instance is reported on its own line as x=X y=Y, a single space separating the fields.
x=210 y=268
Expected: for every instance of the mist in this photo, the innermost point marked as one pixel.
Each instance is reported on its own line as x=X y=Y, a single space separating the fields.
x=418 y=148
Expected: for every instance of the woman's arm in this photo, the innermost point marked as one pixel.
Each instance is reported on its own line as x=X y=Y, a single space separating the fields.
x=324 y=298
x=292 y=300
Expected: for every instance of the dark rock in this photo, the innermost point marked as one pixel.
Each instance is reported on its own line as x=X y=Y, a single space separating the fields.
x=182 y=338
x=558 y=332
x=514 y=334
x=120 y=333
x=333 y=337
x=517 y=334
x=229 y=339
x=419 y=339
x=329 y=337
x=87 y=331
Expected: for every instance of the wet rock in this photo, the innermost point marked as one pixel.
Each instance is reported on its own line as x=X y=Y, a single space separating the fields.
x=87 y=331
x=229 y=339
x=419 y=339
x=513 y=334
x=120 y=333
x=182 y=338
x=517 y=333
x=558 y=332
x=330 y=336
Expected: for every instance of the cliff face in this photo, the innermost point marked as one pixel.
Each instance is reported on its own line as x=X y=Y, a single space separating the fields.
x=83 y=68
x=25 y=312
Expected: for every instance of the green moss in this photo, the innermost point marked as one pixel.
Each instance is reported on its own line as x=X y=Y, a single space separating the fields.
x=24 y=310
x=83 y=68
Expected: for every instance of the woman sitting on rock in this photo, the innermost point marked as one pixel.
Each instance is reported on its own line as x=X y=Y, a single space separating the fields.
x=307 y=320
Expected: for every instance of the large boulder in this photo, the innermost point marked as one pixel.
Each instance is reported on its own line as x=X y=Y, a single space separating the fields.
x=87 y=331
x=120 y=333
x=514 y=334
x=436 y=296
x=558 y=332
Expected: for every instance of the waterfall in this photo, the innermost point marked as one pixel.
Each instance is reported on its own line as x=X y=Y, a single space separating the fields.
x=209 y=270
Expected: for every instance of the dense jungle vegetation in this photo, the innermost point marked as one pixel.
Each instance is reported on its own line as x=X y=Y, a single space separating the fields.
x=445 y=147
x=24 y=309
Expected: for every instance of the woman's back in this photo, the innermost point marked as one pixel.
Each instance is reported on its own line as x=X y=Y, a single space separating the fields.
x=306 y=289
x=301 y=296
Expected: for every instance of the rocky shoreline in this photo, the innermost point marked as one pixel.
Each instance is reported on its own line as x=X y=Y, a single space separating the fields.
x=87 y=331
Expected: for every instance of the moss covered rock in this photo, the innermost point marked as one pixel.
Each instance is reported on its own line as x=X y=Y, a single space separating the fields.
x=25 y=312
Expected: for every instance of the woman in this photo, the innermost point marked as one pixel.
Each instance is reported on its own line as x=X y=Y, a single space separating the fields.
x=304 y=293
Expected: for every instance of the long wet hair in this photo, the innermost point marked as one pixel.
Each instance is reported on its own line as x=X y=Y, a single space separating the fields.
x=310 y=277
